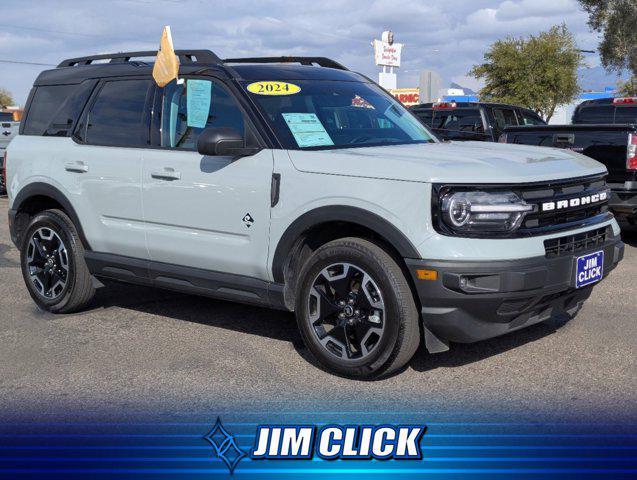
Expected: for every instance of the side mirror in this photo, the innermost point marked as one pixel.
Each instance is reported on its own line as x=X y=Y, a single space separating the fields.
x=224 y=142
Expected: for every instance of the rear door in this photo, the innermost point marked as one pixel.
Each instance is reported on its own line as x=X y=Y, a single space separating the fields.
x=102 y=168
x=205 y=212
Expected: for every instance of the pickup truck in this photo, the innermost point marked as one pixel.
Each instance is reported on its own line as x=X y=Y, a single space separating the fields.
x=8 y=129
x=605 y=130
x=478 y=121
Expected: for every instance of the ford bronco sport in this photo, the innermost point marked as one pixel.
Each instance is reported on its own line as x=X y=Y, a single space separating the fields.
x=297 y=184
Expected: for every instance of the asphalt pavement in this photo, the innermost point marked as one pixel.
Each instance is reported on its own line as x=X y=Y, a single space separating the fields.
x=144 y=351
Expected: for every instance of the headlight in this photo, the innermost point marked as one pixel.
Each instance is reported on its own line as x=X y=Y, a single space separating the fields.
x=483 y=212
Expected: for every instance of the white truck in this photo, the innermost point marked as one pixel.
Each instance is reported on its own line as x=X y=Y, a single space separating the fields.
x=296 y=184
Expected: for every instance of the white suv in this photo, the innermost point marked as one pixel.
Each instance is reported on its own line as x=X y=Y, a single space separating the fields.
x=297 y=184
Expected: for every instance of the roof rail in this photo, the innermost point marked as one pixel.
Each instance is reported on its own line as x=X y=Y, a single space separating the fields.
x=185 y=56
x=322 y=61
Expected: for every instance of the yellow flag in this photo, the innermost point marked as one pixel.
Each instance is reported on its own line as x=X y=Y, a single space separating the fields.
x=167 y=63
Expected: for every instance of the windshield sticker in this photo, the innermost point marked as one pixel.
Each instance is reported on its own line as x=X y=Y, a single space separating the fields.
x=307 y=129
x=273 y=88
x=198 y=102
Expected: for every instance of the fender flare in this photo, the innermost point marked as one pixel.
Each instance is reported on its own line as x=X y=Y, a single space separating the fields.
x=44 y=189
x=338 y=213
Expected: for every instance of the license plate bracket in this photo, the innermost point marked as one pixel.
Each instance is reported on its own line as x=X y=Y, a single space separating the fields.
x=589 y=269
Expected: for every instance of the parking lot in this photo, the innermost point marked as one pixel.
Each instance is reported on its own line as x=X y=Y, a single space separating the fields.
x=144 y=350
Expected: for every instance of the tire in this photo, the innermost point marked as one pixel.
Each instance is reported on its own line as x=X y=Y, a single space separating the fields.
x=353 y=272
x=56 y=276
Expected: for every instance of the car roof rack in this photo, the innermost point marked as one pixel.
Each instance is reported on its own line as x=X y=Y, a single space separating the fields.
x=185 y=56
x=321 y=61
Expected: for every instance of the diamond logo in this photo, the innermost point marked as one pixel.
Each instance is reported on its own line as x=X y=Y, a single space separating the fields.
x=225 y=446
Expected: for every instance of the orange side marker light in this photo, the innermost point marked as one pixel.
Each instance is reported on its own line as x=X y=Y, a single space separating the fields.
x=424 y=274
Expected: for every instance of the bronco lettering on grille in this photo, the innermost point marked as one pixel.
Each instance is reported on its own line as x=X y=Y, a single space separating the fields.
x=575 y=202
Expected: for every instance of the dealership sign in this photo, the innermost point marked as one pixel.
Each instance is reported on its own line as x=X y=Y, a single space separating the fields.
x=386 y=52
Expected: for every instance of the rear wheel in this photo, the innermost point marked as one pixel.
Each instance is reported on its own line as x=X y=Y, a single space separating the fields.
x=53 y=265
x=355 y=309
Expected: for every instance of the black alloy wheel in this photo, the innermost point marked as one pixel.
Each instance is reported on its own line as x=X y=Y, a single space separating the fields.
x=47 y=263
x=355 y=309
x=346 y=310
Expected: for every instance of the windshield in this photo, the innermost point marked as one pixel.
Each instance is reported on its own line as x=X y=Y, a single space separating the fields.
x=334 y=114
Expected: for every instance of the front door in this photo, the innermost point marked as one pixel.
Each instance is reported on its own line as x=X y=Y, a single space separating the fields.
x=206 y=212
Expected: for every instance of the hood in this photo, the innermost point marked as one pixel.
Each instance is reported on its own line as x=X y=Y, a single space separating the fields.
x=450 y=162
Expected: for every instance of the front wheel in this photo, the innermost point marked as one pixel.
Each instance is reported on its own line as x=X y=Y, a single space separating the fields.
x=355 y=309
x=53 y=265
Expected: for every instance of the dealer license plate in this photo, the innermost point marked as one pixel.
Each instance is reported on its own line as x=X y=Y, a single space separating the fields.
x=590 y=269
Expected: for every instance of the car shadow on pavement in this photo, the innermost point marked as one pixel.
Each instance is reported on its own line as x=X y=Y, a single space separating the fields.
x=238 y=317
x=629 y=235
x=281 y=325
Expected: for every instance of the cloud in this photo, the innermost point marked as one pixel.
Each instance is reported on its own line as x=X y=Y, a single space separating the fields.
x=445 y=35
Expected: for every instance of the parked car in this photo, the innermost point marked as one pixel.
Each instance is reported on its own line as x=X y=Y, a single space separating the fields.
x=473 y=120
x=296 y=184
x=8 y=129
x=606 y=110
x=605 y=130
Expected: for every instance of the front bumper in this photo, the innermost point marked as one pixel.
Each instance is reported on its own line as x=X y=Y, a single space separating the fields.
x=472 y=300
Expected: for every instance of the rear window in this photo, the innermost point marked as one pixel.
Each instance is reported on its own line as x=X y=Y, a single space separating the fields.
x=595 y=114
x=6 y=117
x=54 y=109
x=45 y=105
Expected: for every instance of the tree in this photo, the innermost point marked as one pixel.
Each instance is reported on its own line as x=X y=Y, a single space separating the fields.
x=629 y=87
x=538 y=72
x=616 y=20
x=5 y=98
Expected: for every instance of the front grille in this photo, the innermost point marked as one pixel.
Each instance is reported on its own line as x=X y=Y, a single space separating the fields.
x=565 y=190
x=569 y=244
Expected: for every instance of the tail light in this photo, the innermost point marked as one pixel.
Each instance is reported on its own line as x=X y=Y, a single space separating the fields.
x=502 y=138
x=444 y=105
x=631 y=156
x=624 y=100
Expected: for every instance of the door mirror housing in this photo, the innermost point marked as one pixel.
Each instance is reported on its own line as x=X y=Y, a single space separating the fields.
x=224 y=142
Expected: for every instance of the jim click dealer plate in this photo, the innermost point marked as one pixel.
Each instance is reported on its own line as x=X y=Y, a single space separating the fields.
x=590 y=269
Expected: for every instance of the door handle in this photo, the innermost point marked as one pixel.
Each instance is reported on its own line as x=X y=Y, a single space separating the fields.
x=77 y=167
x=166 y=174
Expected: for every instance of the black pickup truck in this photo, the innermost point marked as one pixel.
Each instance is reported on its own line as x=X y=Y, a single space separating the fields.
x=481 y=121
x=605 y=130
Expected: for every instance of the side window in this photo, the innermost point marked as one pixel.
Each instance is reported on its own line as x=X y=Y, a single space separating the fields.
x=504 y=117
x=193 y=105
x=529 y=119
x=117 y=117
x=45 y=106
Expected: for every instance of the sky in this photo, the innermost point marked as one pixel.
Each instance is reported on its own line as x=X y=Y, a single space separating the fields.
x=448 y=36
